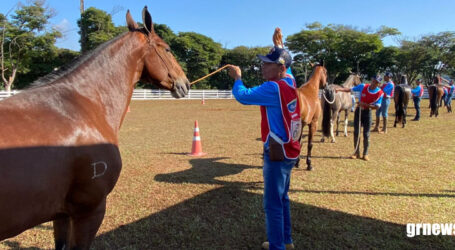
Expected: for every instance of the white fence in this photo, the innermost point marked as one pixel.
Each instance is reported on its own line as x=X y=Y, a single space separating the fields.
x=154 y=94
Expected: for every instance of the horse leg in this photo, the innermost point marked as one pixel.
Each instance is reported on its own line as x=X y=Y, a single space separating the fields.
x=404 y=116
x=338 y=122
x=332 y=136
x=312 y=131
x=62 y=230
x=85 y=226
x=300 y=142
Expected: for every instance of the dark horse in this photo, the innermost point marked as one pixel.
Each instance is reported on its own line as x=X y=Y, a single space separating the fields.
x=59 y=155
x=332 y=106
x=310 y=106
x=435 y=93
x=401 y=99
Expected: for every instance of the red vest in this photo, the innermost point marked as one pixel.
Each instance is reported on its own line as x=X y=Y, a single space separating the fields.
x=368 y=97
x=290 y=109
x=421 y=90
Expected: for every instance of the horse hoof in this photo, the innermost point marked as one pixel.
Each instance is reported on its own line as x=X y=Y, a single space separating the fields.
x=333 y=141
x=309 y=168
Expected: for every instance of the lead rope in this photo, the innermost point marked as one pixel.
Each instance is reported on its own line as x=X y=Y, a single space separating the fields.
x=216 y=71
x=323 y=94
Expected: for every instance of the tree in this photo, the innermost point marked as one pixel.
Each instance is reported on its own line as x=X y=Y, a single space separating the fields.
x=95 y=28
x=25 y=36
x=341 y=48
x=198 y=55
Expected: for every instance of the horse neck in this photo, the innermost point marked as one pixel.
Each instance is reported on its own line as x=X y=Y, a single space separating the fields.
x=312 y=86
x=349 y=83
x=107 y=78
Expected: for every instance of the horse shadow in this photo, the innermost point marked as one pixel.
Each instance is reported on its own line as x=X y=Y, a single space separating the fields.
x=231 y=217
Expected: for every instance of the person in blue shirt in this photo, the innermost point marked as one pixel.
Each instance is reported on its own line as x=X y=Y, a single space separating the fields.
x=417 y=94
x=277 y=97
x=388 y=88
x=371 y=97
x=448 y=100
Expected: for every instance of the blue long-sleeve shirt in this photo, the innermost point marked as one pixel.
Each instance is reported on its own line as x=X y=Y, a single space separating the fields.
x=388 y=89
x=416 y=91
x=266 y=94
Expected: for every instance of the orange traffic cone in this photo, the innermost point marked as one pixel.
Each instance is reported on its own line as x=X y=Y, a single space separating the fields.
x=203 y=101
x=197 y=146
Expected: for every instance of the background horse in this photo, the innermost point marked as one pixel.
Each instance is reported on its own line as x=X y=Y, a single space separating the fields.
x=310 y=106
x=332 y=107
x=59 y=155
x=401 y=99
x=435 y=93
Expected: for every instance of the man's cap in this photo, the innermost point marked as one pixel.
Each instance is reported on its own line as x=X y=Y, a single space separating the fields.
x=419 y=80
x=377 y=78
x=277 y=55
x=388 y=74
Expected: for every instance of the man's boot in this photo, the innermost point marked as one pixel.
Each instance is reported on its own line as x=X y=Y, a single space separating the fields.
x=384 y=123
x=376 y=126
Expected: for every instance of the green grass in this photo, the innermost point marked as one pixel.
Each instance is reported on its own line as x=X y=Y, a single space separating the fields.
x=165 y=199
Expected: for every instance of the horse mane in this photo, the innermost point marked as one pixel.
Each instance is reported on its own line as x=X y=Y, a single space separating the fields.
x=63 y=71
x=349 y=82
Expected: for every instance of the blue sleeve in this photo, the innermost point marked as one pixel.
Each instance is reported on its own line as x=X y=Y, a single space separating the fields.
x=388 y=89
x=416 y=90
x=289 y=72
x=265 y=94
x=358 y=88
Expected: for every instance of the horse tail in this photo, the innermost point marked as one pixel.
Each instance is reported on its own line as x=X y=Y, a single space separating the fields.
x=400 y=101
x=326 y=117
x=433 y=97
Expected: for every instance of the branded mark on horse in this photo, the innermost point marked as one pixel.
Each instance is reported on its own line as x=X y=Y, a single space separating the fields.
x=59 y=155
x=332 y=107
x=310 y=106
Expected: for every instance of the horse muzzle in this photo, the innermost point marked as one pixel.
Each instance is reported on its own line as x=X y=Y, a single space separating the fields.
x=181 y=88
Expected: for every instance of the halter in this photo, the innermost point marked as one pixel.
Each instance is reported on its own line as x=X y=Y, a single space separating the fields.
x=164 y=61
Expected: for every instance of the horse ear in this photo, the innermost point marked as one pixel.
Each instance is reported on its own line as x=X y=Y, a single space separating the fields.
x=147 y=20
x=311 y=64
x=132 y=25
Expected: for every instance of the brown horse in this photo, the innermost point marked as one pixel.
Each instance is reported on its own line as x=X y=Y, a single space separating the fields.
x=401 y=98
x=59 y=155
x=332 y=107
x=310 y=106
x=435 y=93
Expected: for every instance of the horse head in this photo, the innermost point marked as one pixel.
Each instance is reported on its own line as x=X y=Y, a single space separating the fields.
x=323 y=75
x=160 y=66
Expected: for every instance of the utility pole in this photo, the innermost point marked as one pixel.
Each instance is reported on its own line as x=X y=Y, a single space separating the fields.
x=82 y=6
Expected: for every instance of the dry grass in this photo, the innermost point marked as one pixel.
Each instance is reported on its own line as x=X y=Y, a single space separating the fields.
x=165 y=199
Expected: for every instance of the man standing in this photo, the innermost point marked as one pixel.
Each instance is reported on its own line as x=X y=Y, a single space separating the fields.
x=388 y=88
x=448 y=99
x=370 y=98
x=417 y=94
x=280 y=129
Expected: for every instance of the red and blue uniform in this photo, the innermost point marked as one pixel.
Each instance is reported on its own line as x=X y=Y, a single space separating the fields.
x=417 y=94
x=280 y=113
x=371 y=97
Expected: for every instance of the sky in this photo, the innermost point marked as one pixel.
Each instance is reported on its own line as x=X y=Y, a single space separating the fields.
x=252 y=22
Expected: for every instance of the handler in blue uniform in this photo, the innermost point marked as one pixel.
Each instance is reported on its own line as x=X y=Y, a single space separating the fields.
x=280 y=129
x=370 y=98
x=448 y=100
x=388 y=88
x=417 y=94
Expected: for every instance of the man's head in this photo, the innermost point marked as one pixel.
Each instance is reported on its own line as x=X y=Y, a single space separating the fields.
x=275 y=63
x=375 y=80
x=387 y=76
x=451 y=82
x=419 y=81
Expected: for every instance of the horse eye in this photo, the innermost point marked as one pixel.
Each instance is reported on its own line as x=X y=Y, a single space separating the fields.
x=168 y=50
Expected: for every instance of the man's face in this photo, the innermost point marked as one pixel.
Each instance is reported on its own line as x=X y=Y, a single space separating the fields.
x=386 y=78
x=374 y=83
x=271 y=71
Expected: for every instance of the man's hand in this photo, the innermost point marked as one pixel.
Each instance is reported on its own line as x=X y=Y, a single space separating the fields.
x=235 y=72
x=278 y=38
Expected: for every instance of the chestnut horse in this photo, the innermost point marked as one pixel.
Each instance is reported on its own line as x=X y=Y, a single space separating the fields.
x=59 y=155
x=435 y=93
x=310 y=106
x=341 y=101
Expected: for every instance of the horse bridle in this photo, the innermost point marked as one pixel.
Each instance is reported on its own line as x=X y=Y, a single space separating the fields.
x=164 y=62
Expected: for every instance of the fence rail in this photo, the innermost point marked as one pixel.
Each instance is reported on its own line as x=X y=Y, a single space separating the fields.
x=160 y=94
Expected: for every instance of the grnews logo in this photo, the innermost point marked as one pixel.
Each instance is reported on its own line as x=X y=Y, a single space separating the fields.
x=415 y=229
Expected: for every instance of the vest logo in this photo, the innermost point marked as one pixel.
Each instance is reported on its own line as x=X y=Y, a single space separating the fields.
x=292 y=106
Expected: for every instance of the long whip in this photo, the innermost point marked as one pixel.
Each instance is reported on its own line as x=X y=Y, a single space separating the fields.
x=214 y=72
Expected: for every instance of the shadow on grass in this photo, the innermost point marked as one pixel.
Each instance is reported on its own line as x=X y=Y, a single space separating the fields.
x=17 y=245
x=231 y=217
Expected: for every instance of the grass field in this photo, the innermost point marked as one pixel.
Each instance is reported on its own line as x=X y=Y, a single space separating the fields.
x=165 y=199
